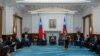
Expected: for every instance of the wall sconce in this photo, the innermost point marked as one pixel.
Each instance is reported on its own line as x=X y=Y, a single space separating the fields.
x=91 y=30
x=14 y=30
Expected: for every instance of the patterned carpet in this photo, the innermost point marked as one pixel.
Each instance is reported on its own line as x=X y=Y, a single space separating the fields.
x=52 y=51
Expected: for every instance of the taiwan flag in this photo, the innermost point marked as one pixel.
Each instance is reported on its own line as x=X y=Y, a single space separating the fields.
x=40 y=31
x=64 y=27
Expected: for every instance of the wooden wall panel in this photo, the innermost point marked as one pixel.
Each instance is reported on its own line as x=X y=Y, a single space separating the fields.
x=32 y=36
x=6 y=37
x=93 y=35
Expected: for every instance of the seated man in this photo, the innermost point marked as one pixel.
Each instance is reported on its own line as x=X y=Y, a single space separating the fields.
x=26 y=41
x=98 y=46
x=87 y=41
x=77 y=39
x=1 y=41
x=17 y=42
x=81 y=40
x=43 y=41
x=35 y=40
x=93 y=44
x=61 y=41
x=12 y=44
x=4 y=48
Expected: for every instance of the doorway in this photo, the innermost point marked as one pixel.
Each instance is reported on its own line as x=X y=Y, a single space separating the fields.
x=17 y=26
x=87 y=25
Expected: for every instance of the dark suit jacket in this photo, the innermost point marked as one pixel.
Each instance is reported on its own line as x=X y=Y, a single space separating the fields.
x=97 y=42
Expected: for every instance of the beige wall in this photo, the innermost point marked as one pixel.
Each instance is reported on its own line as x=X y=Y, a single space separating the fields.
x=95 y=10
x=0 y=22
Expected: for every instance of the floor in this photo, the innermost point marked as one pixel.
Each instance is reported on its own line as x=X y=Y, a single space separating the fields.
x=53 y=51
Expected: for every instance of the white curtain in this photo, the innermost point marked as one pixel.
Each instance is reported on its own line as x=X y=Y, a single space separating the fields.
x=18 y=29
x=86 y=27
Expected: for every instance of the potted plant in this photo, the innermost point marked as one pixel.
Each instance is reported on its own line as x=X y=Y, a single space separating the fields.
x=78 y=30
x=26 y=30
x=26 y=33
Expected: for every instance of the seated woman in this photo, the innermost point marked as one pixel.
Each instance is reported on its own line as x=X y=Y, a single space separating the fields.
x=66 y=41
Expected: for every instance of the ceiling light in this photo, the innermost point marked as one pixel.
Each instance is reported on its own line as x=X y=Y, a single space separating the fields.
x=53 y=1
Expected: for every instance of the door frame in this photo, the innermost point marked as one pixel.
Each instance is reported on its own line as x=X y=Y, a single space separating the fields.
x=90 y=17
x=15 y=17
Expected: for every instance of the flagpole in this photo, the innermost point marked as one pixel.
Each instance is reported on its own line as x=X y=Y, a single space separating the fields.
x=64 y=34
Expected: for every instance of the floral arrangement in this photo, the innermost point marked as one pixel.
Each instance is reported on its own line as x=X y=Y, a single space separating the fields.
x=78 y=30
x=26 y=30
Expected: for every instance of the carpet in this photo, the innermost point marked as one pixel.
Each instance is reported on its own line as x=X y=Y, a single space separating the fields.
x=53 y=50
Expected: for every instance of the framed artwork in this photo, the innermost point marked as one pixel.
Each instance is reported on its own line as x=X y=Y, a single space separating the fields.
x=52 y=23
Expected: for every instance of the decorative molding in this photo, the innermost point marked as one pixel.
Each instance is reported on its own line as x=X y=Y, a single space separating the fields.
x=53 y=10
x=17 y=16
x=54 y=1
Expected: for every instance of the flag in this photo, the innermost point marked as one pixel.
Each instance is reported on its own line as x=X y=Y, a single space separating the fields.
x=64 y=27
x=40 y=31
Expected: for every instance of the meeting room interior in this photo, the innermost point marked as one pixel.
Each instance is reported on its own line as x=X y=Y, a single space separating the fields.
x=49 y=28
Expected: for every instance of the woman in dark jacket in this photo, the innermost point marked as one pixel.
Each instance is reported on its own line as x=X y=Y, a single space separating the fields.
x=66 y=41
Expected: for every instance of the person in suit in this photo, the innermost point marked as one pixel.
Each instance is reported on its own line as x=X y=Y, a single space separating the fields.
x=17 y=42
x=35 y=40
x=5 y=48
x=93 y=44
x=87 y=41
x=98 y=46
x=12 y=44
x=77 y=39
x=43 y=41
x=1 y=42
x=66 y=41
x=26 y=41
x=61 y=42
x=81 y=40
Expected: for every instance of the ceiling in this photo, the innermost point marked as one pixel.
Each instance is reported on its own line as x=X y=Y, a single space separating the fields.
x=70 y=6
